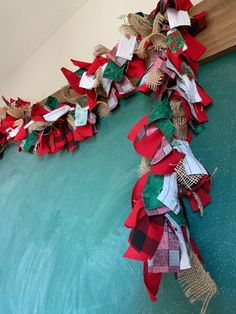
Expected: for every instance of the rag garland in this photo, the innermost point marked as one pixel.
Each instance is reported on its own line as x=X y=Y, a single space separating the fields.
x=156 y=54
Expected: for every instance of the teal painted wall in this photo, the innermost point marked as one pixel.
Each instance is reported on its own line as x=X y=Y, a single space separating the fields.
x=61 y=217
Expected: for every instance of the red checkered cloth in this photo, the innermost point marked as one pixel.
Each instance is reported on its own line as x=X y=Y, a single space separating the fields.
x=146 y=232
x=162 y=151
x=161 y=64
x=69 y=137
x=59 y=136
x=112 y=100
x=158 y=211
x=124 y=87
x=167 y=256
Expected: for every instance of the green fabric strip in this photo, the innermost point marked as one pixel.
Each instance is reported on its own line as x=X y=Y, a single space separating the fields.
x=197 y=128
x=80 y=72
x=52 y=103
x=83 y=100
x=161 y=114
x=160 y=110
x=151 y=191
x=113 y=72
x=100 y=91
x=29 y=143
x=178 y=218
x=175 y=40
x=167 y=128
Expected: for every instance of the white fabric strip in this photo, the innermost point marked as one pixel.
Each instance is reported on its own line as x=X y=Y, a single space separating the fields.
x=190 y=88
x=184 y=95
x=13 y=132
x=126 y=46
x=178 y=18
x=191 y=164
x=57 y=113
x=87 y=81
x=169 y=193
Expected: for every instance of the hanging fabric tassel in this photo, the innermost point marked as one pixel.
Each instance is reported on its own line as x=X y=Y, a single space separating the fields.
x=197 y=283
x=158 y=41
x=127 y=29
x=179 y=119
x=141 y=52
x=140 y=24
x=18 y=112
x=158 y=22
x=154 y=78
x=66 y=94
x=102 y=108
x=100 y=50
x=98 y=77
x=199 y=202
x=187 y=181
x=71 y=121
x=38 y=126
x=155 y=37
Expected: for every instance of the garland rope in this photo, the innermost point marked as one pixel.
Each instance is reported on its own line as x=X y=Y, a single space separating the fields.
x=156 y=55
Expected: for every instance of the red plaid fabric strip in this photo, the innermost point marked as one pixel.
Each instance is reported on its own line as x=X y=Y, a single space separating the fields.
x=124 y=87
x=146 y=236
x=59 y=138
x=112 y=101
x=44 y=146
x=163 y=150
x=161 y=64
x=69 y=137
x=147 y=130
x=63 y=137
x=158 y=211
x=167 y=256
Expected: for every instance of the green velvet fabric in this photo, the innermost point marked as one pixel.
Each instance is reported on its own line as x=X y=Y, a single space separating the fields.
x=151 y=191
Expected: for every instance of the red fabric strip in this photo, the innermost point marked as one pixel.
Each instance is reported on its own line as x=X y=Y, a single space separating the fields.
x=152 y=282
x=166 y=166
x=147 y=146
x=137 y=127
x=138 y=188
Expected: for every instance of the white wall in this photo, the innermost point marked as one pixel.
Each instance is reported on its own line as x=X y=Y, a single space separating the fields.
x=94 y=23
